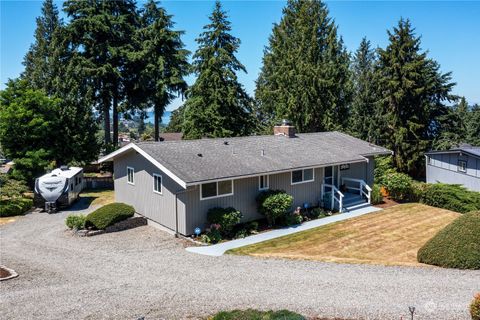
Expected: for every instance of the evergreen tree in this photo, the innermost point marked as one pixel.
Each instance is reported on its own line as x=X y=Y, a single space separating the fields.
x=452 y=126
x=163 y=60
x=364 y=114
x=41 y=61
x=51 y=66
x=305 y=75
x=473 y=126
x=217 y=104
x=101 y=31
x=413 y=92
x=176 y=120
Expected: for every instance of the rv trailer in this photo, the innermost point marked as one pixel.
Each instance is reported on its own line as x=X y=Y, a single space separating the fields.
x=59 y=188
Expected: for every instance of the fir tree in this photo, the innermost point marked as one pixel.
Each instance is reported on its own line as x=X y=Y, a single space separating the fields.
x=176 y=120
x=364 y=114
x=101 y=31
x=217 y=104
x=305 y=75
x=162 y=59
x=413 y=92
x=41 y=61
x=473 y=126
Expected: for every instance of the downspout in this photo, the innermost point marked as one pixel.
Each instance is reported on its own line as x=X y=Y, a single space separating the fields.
x=176 y=209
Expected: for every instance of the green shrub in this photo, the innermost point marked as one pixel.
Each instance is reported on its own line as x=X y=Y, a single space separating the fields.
x=383 y=166
x=15 y=206
x=75 y=221
x=475 y=307
x=316 y=213
x=456 y=246
x=274 y=204
x=398 y=185
x=292 y=219
x=227 y=218
x=376 y=194
x=213 y=234
x=251 y=314
x=108 y=215
x=452 y=197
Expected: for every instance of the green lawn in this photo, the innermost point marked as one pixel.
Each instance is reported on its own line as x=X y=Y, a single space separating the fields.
x=389 y=237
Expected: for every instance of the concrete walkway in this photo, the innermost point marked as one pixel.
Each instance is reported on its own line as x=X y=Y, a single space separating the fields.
x=221 y=248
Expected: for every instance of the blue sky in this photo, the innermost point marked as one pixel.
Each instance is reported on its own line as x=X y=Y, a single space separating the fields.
x=450 y=32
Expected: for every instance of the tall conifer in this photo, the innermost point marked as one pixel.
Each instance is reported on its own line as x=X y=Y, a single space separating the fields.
x=217 y=104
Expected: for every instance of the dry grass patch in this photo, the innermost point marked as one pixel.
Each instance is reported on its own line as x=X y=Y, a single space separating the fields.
x=98 y=197
x=6 y=220
x=389 y=237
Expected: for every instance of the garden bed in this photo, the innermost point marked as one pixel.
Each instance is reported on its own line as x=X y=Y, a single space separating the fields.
x=7 y=273
x=129 y=223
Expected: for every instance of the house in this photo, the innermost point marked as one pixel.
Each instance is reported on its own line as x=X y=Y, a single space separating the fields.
x=460 y=165
x=175 y=183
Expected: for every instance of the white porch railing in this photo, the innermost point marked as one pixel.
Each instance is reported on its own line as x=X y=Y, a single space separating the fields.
x=363 y=188
x=335 y=195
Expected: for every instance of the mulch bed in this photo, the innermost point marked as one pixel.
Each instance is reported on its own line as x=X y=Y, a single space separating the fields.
x=4 y=273
x=387 y=203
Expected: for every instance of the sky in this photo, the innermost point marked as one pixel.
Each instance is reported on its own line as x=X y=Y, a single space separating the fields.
x=450 y=32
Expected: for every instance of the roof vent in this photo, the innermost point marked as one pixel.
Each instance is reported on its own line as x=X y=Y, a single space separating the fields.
x=225 y=143
x=63 y=168
x=200 y=155
x=262 y=152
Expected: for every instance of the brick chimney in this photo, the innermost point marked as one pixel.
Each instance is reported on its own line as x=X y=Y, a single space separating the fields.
x=285 y=129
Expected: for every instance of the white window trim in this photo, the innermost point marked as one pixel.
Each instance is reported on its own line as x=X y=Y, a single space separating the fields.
x=217 y=196
x=133 y=176
x=460 y=167
x=303 y=181
x=161 y=183
x=267 y=184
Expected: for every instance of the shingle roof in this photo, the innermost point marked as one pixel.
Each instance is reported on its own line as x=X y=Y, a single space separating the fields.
x=473 y=150
x=201 y=160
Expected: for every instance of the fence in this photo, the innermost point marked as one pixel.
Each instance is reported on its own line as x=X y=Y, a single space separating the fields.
x=98 y=182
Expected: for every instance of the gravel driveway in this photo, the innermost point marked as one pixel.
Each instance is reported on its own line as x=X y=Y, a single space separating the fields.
x=145 y=272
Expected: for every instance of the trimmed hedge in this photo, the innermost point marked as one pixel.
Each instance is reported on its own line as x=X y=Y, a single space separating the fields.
x=15 y=207
x=475 y=307
x=452 y=197
x=251 y=314
x=108 y=215
x=399 y=185
x=456 y=246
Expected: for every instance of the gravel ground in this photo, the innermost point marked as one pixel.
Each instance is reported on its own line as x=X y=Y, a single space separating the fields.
x=145 y=272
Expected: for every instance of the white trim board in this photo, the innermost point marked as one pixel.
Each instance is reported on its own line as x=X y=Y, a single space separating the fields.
x=148 y=157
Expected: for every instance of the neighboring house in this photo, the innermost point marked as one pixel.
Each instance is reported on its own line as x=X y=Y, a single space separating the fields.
x=175 y=183
x=459 y=165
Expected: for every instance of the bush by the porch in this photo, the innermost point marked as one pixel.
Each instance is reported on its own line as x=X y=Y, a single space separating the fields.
x=227 y=218
x=109 y=215
x=274 y=204
x=398 y=185
x=376 y=195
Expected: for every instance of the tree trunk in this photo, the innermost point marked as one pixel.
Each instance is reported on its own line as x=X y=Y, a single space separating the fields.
x=115 y=120
x=156 y=120
x=106 y=120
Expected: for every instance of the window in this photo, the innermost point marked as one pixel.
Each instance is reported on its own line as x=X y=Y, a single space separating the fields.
x=216 y=189
x=462 y=166
x=157 y=183
x=130 y=175
x=301 y=176
x=263 y=182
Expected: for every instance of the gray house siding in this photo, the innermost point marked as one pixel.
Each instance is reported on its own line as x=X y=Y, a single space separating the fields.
x=191 y=210
x=443 y=167
x=157 y=207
